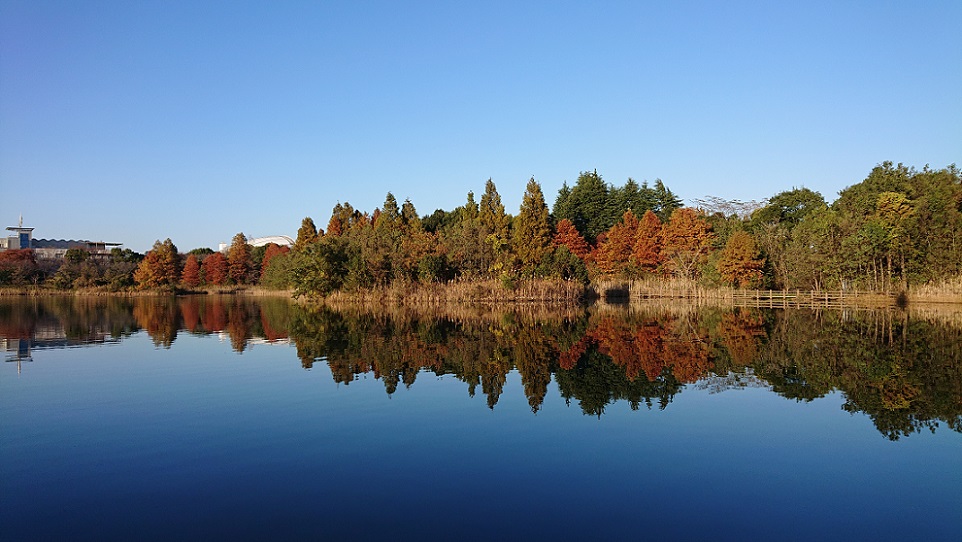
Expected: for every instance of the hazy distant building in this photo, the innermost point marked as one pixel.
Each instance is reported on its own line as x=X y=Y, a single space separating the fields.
x=50 y=248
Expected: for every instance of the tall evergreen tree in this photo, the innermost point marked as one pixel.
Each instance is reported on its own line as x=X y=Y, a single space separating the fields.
x=666 y=202
x=494 y=227
x=306 y=234
x=532 y=232
x=464 y=242
x=587 y=206
x=562 y=205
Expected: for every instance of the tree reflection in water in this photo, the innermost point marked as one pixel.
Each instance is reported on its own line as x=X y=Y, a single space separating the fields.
x=903 y=371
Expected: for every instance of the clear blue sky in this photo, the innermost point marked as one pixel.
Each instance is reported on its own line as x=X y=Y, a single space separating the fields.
x=136 y=121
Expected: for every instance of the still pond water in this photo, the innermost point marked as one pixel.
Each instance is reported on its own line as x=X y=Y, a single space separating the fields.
x=235 y=418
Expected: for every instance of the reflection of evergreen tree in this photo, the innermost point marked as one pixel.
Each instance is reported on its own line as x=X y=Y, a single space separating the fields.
x=160 y=317
x=532 y=353
x=906 y=375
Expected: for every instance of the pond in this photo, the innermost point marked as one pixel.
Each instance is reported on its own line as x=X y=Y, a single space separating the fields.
x=242 y=418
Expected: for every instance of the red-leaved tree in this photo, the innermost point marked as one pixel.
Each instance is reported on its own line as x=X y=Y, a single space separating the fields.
x=190 y=277
x=215 y=269
x=566 y=234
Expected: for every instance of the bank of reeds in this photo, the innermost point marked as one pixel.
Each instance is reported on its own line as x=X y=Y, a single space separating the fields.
x=37 y=291
x=621 y=290
x=536 y=291
x=614 y=291
x=944 y=291
x=558 y=292
x=104 y=291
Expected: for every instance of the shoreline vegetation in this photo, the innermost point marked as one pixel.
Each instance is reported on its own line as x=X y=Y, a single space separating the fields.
x=555 y=293
x=894 y=238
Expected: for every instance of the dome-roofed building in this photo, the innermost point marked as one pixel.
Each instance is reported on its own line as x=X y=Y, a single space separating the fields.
x=279 y=240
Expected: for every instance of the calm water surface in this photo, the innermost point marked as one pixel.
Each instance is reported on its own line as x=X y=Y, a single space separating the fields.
x=242 y=419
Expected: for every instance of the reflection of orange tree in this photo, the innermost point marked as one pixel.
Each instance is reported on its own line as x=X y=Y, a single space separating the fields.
x=742 y=331
x=688 y=357
x=616 y=340
x=159 y=316
x=653 y=345
x=214 y=316
x=190 y=312
x=568 y=359
x=649 y=338
x=238 y=325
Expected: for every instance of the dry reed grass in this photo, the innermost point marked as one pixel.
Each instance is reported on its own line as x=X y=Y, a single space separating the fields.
x=467 y=292
x=947 y=290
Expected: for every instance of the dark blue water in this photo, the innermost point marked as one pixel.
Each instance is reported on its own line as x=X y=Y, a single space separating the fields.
x=128 y=440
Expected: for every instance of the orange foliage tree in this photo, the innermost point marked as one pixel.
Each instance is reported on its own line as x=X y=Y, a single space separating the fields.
x=686 y=241
x=614 y=252
x=566 y=234
x=239 y=259
x=646 y=254
x=160 y=267
x=740 y=263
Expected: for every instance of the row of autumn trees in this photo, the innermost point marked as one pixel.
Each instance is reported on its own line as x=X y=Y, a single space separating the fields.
x=164 y=267
x=592 y=233
x=898 y=227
